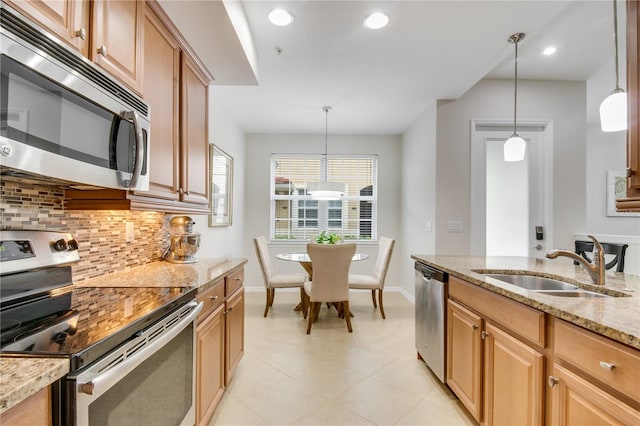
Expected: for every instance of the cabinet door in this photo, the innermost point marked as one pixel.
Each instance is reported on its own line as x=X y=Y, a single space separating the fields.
x=117 y=39
x=464 y=356
x=513 y=380
x=35 y=410
x=195 y=144
x=234 y=333
x=633 y=87
x=67 y=19
x=579 y=402
x=161 y=92
x=210 y=364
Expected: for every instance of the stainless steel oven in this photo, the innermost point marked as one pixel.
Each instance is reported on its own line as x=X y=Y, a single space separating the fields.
x=131 y=350
x=62 y=117
x=147 y=381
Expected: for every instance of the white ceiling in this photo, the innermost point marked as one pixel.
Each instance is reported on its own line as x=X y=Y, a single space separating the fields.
x=379 y=82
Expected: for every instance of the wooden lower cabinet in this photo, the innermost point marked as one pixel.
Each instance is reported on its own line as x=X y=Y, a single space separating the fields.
x=497 y=374
x=210 y=366
x=513 y=380
x=464 y=357
x=234 y=343
x=220 y=343
x=577 y=401
x=35 y=410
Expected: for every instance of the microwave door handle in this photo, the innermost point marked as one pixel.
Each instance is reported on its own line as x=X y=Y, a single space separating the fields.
x=137 y=168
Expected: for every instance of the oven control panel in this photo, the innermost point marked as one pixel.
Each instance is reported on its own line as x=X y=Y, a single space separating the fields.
x=23 y=250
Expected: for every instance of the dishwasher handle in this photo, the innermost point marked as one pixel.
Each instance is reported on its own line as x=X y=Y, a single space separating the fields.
x=430 y=272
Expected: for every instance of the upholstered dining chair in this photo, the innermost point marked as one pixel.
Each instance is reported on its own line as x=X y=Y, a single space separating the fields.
x=273 y=281
x=330 y=282
x=617 y=250
x=375 y=282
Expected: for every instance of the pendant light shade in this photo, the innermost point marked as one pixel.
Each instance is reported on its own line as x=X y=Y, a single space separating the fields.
x=515 y=147
x=613 y=110
x=324 y=190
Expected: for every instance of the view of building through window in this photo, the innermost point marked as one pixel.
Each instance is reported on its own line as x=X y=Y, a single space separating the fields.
x=296 y=216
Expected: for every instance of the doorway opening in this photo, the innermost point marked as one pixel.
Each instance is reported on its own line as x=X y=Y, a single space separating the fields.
x=511 y=203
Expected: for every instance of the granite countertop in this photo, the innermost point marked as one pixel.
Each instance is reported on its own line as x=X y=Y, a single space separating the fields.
x=165 y=274
x=22 y=377
x=615 y=317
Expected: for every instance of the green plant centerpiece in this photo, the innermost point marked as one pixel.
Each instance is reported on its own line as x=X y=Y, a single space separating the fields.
x=328 y=238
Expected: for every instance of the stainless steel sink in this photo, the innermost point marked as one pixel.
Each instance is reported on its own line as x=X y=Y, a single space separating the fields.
x=530 y=282
x=575 y=293
x=546 y=286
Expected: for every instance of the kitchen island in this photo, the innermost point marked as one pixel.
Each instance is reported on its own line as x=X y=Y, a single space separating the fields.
x=517 y=356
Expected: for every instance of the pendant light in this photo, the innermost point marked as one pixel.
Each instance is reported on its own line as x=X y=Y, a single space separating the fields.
x=515 y=146
x=613 y=110
x=324 y=190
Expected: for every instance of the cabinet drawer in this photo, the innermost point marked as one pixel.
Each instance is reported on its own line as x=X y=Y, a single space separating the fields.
x=234 y=281
x=211 y=298
x=614 y=364
x=522 y=320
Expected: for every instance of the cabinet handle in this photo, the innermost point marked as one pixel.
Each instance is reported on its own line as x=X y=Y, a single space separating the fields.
x=474 y=327
x=552 y=381
x=607 y=365
x=102 y=50
x=484 y=334
x=213 y=297
x=82 y=33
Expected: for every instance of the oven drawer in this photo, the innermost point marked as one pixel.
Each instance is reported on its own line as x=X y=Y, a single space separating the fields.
x=211 y=298
x=234 y=281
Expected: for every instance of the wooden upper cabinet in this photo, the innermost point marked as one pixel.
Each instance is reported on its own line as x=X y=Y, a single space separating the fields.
x=193 y=121
x=632 y=202
x=117 y=39
x=67 y=19
x=161 y=88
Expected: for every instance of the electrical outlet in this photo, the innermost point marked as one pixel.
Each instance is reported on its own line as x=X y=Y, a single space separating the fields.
x=128 y=306
x=129 y=232
x=454 y=226
x=429 y=227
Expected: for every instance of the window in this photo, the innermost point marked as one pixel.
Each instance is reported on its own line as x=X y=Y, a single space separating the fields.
x=296 y=216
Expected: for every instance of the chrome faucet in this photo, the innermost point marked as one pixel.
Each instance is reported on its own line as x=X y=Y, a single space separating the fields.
x=595 y=269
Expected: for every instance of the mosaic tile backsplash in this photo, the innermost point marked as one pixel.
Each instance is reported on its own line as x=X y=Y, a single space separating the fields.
x=100 y=234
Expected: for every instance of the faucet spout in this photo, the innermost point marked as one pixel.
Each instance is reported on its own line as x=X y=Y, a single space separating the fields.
x=595 y=269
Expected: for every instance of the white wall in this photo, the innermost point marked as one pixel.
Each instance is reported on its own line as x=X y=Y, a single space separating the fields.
x=418 y=202
x=226 y=241
x=259 y=148
x=562 y=102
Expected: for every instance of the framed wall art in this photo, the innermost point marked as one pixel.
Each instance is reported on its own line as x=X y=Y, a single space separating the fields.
x=617 y=188
x=220 y=187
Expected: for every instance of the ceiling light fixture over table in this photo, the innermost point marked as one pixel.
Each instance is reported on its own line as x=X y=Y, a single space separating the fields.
x=613 y=110
x=324 y=190
x=515 y=146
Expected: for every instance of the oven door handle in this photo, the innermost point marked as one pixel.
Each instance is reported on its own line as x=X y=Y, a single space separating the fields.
x=93 y=384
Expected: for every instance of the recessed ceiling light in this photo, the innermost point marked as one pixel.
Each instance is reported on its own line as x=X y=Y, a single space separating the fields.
x=549 y=51
x=280 y=17
x=376 y=20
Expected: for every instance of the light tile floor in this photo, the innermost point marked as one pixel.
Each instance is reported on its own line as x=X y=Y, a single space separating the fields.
x=332 y=377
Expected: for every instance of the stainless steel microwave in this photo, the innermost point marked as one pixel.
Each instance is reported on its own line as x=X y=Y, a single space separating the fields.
x=62 y=117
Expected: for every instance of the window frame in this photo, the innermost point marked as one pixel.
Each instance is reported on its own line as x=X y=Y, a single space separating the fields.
x=323 y=206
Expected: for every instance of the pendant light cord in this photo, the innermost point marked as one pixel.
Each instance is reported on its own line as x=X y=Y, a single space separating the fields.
x=615 y=42
x=515 y=92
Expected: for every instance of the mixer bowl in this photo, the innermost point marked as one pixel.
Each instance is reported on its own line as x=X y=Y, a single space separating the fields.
x=185 y=245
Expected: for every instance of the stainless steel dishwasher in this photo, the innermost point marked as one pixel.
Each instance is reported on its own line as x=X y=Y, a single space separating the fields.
x=431 y=297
